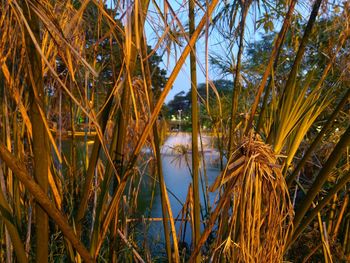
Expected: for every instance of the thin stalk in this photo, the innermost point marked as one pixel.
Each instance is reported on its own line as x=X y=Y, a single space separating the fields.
x=236 y=83
x=41 y=146
x=163 y=192
x=43 y=200
x=322 y=176
x=7 y=217
x=120 y=189
x=292 y=77
x=346 y=241
x=29 y=230
x=321 y=204
x=267 y=90
x=341 y=215
x=91 y=170
x=9 y=175
x=138 y=18
x=125 y=112
x=278 y=43
x=73 y=141
x=102 y=198
x=205 y=185
x=318 y=138
x=332 y=214
x=323 y=239
x=195 y=157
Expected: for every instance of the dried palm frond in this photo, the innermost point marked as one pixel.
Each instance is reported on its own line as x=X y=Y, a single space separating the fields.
x=260 y=211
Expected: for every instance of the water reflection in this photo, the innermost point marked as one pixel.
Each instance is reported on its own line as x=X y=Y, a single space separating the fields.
x=177 y=175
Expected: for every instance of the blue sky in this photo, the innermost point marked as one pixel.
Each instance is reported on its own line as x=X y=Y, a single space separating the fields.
x=182 y=82
x=215 y=41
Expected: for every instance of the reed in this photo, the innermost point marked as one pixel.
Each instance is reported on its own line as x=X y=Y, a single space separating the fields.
x=73 y=70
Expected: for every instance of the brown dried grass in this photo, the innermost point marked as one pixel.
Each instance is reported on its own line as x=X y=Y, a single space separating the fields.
x=260 y=210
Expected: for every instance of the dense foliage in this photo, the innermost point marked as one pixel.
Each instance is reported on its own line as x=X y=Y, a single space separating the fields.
x=83 y=86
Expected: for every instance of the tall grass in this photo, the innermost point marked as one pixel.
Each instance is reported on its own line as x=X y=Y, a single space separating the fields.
x=64 y=60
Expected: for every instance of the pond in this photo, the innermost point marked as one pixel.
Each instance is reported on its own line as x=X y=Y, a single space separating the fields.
x=177 y=166
x=177 y=176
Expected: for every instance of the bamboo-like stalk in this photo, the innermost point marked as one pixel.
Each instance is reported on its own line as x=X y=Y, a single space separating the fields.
x=332 y=212
x=324 y=241
x=9 y=175
x=117 y=195
x=321 y=178
x=292 y=77
x=236 y=82
x=117 y=147
x=42 y=199
x=346 y=241
x=138 y=19
x=321 y=204
x=195 y=153
x=41 y=146
x=278 y=43
x=7 y=217
x=163 y=192
x=139 y=15
x=267 y=90
x=318 y=138
x=91 y=169
x=341 y=215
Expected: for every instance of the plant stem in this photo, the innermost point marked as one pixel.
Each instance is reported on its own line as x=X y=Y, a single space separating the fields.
x=292 y=77
x=307 y=220
x=43 y=200
x=163 y=192
x=7 y=217
x=278 y=42
x=195 y=157
x=236 y=83
x=322 y=177
x=318 y=138
x=41 y=146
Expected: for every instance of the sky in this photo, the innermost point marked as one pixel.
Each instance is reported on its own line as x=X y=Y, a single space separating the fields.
x=182 y=82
